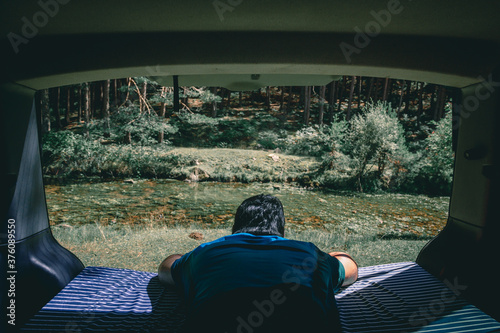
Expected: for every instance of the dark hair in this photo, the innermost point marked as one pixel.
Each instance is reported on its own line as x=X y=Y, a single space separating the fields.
x=260 y=215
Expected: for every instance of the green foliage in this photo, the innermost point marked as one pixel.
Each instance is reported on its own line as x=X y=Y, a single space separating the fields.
x=195 y=129
x=431 y=169
x=235 y=132
x=207 y=97
x=375 y=139
x=317 y=140
x=68 y=153
x=272 y=139
x=373 y=151
x=266 y=121
x=143 y=127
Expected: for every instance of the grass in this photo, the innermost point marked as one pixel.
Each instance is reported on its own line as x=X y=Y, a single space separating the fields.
x=144 y=247
x=136 y=225
x=194 y=164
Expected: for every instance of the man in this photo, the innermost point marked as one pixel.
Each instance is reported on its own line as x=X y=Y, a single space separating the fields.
x=255 y=280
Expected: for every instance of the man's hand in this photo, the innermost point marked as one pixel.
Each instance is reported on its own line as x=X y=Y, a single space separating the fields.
x=164 y=271
x=350 y=267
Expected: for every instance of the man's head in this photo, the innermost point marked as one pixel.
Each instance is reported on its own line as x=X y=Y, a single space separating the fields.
x=260 y=215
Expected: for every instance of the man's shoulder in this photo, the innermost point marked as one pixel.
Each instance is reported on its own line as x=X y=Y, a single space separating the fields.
x=246 y=240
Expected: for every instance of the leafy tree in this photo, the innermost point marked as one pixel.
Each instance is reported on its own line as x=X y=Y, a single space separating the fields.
x=431 y=171
x=374 y=138
x=139 y=127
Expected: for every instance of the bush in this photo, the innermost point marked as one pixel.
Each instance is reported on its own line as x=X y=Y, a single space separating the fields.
x=195 y=129
x=65 y=152
x=431 y=169
x=234 y=132
x=142 y=128
x=272 y=139
x=374 y=140
x=317 y=140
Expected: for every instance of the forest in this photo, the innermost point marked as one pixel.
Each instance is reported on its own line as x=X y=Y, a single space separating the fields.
x=357 y=134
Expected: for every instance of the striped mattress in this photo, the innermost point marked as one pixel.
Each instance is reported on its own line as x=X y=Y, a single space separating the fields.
x=400 y=297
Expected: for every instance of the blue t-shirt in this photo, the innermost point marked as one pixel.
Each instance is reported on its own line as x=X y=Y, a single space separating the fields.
x=242 y=261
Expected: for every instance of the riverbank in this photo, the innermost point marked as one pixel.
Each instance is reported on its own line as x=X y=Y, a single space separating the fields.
x=189 y=164
x=135 y=224
x=143 y=248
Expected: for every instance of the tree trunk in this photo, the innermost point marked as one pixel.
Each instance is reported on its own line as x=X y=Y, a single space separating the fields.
x=105 y=108
x=376 y=89
x=240 y=98
x=360 y=86
x=45 y=105
x=86 y=106
x=321 y=105
x=441 y=101
x=128 y=138
x=176 y=94
x=351 y=94
x=307 y=104
x=80 y=104
x=282 y=97
x=407 y=96
x=214 y=104
x=386 y=89
x=420 y=109
x=163 y=111
x=127 y=93
x=228 y=99
x=268 y=98
x=185 y=98
x=302 y=99
x=57 y=105
x=290 y=99
x=68 y=106
x=142 y=99
x=331 y=102
x=163 y=105
x=92 y=100
x=403 y=83
x=370 y=88
x=341 y=94
x=115 y=91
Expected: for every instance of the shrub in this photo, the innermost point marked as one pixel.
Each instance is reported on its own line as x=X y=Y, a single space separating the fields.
x=317 y=140
x=374 y=140
x=431 y=169
x=195 y=129
x=272 y=139
x=234 y=132
x=143 y=128
x=65 y=152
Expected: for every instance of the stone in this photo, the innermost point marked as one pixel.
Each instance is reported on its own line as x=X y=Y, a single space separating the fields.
x=196 y=235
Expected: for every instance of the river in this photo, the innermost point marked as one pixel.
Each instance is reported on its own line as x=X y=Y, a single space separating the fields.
x=173 y=202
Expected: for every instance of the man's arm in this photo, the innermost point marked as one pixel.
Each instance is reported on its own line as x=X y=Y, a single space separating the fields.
x=164 y=271
x=350 y=267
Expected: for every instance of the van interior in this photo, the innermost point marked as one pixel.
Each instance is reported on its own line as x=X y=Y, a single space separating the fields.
x=246 y=45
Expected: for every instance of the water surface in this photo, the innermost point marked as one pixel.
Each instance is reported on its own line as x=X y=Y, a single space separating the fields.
x=212 y=204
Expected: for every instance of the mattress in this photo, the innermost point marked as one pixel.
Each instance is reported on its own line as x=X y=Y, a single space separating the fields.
x=399 y=297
